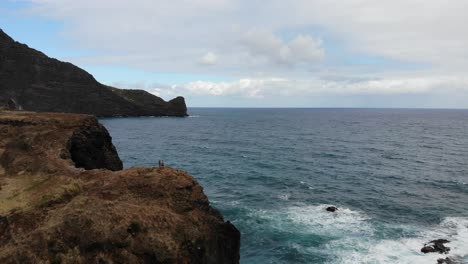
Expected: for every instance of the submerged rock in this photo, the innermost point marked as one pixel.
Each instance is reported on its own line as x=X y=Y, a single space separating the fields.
x=61 y=207
x=446 y=261
x=436 y=246
x=332 y=209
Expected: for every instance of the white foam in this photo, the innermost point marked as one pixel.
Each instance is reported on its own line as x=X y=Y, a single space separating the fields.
x=284 y=196
x=316 y=220
x=353 y=237
x=408 y=250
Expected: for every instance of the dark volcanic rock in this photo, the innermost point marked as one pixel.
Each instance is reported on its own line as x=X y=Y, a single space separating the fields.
x=436 y=246
x=332 y=209
x=91 y=147
x=42 y=84
x=446 y=261
x=28 y=141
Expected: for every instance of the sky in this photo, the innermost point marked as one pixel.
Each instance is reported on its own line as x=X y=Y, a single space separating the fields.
x=251 y=53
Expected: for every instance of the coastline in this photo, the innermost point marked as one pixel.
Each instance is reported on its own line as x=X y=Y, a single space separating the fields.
x=53 y=210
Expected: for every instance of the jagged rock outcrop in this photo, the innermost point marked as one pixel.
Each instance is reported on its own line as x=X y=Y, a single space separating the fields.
x=53 y=210
x=437 y=245
x=42 y=84
x=446 y=261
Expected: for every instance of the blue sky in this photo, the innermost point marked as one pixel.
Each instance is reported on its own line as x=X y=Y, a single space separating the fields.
x=240 y=53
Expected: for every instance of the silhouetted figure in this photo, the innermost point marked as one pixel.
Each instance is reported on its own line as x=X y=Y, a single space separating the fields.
x=162 y=163
x=159 y=163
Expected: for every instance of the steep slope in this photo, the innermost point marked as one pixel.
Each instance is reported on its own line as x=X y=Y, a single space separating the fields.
x=39 y=83
x=54 y=211
x=152 y=103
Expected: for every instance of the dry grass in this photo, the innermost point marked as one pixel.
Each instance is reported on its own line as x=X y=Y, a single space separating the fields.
x=15 y=191
x=62 y=193
x=25 y=191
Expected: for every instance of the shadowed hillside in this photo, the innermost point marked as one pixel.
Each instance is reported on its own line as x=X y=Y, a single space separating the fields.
x=38 y=83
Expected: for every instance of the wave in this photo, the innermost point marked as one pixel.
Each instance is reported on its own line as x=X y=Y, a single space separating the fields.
x=407 y=250
x=314 y=219
x=351 y=237
x=284 y=196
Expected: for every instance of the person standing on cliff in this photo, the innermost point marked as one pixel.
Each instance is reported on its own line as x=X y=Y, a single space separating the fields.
x=159 y=163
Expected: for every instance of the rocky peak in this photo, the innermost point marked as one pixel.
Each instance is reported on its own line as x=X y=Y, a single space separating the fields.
x=43 y=84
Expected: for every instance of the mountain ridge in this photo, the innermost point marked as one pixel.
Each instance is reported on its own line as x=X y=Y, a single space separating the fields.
x=36 y=82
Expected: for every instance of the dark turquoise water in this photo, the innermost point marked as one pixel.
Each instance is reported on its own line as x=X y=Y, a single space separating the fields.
x=399 y=178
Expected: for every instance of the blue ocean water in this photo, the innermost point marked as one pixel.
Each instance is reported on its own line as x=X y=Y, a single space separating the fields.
x=399 y=178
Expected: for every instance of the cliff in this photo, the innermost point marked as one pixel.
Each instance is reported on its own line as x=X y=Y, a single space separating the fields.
x=64 y=198
x=42 y=84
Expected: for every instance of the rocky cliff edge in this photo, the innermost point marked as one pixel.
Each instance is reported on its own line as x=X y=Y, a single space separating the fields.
x=64 y=198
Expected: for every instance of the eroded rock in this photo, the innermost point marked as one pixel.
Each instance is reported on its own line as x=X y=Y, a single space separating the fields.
x=436 y=246
x=446 y=261
x=60 y=214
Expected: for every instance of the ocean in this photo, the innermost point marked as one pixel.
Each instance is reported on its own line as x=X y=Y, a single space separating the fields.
x=399 y=178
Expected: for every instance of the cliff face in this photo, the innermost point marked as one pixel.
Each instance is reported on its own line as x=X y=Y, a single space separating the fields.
x=54 y=209
x=39 y=83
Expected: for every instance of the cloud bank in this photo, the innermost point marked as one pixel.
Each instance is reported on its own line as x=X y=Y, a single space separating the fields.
x=395 y=47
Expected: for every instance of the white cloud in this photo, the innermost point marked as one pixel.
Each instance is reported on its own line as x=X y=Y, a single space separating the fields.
x=209 y=59
x=267 y=87
x=302 y=49
x=299 y=41
x=430 y=31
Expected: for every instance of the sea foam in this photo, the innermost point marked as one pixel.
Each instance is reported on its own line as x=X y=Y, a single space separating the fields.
x=407 y=250
x=352 y=236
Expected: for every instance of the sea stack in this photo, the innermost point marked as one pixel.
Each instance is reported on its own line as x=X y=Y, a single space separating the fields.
x=59 y=206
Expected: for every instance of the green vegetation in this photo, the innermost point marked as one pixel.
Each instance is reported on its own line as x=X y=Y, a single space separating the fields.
x=56 y=260
x=134 y=227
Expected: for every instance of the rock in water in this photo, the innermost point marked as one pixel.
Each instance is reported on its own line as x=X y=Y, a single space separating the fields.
x=446 y=261
x=65 y=207
x=436 y=246
x=332 y=209
x=42 y=84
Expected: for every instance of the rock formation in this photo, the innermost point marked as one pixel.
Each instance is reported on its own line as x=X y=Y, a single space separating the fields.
x=65 y=199
x=446 y=261
x=42 y=84
x=437 y=245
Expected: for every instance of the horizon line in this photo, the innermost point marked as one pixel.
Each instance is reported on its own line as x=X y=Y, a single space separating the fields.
x=325 y=107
